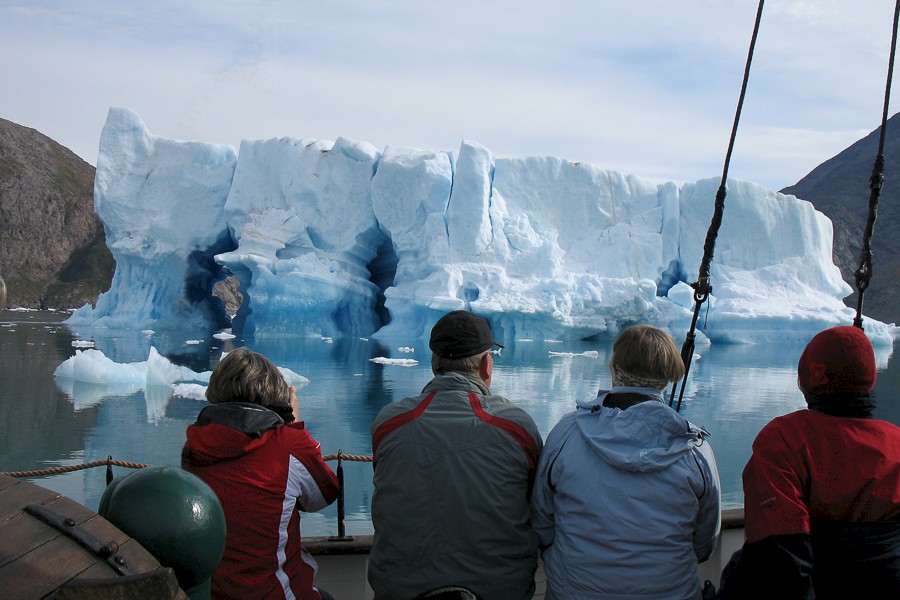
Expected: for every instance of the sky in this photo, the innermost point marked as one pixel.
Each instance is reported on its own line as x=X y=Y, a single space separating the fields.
x=644 y=87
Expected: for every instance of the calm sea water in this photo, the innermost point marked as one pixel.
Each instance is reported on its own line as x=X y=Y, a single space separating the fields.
x=733 y=390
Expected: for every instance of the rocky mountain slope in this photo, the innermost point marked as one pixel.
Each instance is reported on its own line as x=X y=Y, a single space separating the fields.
x=53 y=250
x=840 y=188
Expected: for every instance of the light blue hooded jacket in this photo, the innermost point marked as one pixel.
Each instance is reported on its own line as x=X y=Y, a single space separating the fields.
x=626 y=502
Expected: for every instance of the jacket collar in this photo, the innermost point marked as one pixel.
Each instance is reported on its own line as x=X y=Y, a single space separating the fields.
x=248 y=418
x=622 y=397
x=856 y=406
x=455 y=380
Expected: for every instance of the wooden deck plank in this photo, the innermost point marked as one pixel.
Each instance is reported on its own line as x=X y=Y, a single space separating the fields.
x=15 y=494
x=21 y=535
x=44 y=569
x=37 y=558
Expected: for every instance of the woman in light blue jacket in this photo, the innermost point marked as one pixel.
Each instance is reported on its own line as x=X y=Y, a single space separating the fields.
x=627 y=498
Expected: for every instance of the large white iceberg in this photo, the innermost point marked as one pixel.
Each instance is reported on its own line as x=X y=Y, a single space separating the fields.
x=162 y=207
x=339 y=238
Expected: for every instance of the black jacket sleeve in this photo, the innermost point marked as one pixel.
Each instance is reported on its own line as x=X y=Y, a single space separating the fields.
x=776 y=568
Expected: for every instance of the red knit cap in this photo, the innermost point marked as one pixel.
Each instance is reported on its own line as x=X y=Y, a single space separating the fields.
x=840 y=359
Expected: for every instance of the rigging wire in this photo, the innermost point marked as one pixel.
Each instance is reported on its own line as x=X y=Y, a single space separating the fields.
x=702 y=287
x=864 y=268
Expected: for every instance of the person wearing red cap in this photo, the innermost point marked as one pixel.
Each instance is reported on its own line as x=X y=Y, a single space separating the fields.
x=822 y=487
x=454 y=467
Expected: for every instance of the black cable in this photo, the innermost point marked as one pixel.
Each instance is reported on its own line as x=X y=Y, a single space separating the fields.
x=702 y=287
x=864 y=268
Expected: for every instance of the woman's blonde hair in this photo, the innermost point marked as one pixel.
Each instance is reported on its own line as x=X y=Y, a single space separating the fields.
x=247 y=376
x=645 y=354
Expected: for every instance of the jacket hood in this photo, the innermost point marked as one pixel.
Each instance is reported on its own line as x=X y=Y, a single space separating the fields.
x=646 y=437
x=453 y=380
x=228 y=430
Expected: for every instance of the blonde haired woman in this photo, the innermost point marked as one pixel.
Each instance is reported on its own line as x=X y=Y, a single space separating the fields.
x=626 y=499
x=249 y=447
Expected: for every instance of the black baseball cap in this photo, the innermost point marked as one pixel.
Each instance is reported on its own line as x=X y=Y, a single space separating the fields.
x=459 y=334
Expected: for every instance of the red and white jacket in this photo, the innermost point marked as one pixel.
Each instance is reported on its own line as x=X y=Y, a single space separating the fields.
x=263 y=472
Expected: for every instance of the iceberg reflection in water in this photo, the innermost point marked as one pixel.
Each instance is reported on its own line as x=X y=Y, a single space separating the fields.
x=140 y=415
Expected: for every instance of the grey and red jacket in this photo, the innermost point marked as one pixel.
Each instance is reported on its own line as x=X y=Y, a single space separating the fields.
x=822 y=511
x=454 y=468
x=263 y=472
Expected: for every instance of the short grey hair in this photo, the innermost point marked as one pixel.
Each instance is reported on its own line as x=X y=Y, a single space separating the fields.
x=469 y=364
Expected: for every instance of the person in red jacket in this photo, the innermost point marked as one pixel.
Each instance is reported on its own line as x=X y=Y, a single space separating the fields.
x=250 y=448
x=822 y=487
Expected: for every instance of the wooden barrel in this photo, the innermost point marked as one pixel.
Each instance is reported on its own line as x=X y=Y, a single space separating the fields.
x=51 y=546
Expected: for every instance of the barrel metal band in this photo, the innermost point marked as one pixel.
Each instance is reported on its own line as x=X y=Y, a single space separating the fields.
x=68 y=527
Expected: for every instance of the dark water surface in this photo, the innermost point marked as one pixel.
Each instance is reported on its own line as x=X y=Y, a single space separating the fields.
x=733 y=390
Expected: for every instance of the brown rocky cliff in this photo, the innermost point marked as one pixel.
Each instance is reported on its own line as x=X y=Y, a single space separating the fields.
x=53 y=250
x=840 y=188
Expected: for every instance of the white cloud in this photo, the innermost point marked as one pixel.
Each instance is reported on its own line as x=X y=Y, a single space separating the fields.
x=647 y=87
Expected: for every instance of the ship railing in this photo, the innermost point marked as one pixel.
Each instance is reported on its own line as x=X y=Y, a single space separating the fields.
x=109 y=463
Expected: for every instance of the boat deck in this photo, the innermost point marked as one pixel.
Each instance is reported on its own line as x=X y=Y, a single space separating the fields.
x=50 y=545
x=342 y=562
x=344 y=577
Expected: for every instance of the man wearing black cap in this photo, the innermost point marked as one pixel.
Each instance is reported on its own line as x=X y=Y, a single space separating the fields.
x=454 y=468
x=822 y=487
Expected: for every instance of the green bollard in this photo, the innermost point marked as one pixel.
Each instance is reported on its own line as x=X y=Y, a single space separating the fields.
x=176 y=517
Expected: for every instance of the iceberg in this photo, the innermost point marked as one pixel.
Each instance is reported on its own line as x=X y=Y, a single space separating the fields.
x=164 y=237
x=90 y=376
x=339 y=238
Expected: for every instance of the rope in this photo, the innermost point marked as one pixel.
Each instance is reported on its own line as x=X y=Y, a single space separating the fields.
x=342 y=456
x=702 y=287
x=864 y=269
x=133 y=465
x=72 y=468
